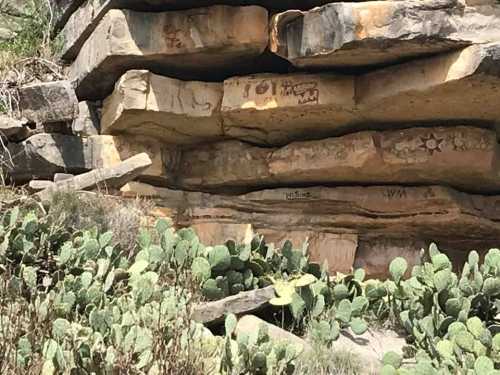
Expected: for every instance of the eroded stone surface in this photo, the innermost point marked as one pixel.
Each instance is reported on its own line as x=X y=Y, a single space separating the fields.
x=428 y=214
x=167 y=109
x=88 y=122
x=454 y=88
x=464 y=157
x=215 y=39
x=50 y=102
x=269 y=108
x=43 y=155
x=380 y=32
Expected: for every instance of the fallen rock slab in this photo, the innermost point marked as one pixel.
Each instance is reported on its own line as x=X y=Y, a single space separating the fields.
x=194 y=42
x=38 y=185
x=454 y=88
x=42 y=155
x=429 y=213
x=380 y=32
x=112 y=177
x=167 y=109
x=49 y=102
x=463 y=157
x=241 y=303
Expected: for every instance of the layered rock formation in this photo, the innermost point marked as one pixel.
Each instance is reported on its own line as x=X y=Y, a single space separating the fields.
x=368 y=129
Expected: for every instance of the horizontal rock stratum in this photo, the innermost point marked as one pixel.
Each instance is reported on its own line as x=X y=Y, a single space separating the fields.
x=167 y=109
x=430 y=212
x=463 y=157
x=460 y=87
x=216 y=39
x=86 y=18
x=380 y=32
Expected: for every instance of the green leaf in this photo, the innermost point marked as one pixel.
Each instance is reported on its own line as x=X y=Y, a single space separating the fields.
x=59 y=328
x=108 y=283
x=442 y=279
x=393 y=359
x=230 y=324
x=201 y=269
x=358 y=326
x=162 y=225
x=144 y=238
x=359 y=275
x=138 y=267
x=219 y=258
x=475 y=326
x=344 y=311
x=340 y=291
x=445 y=349
x=49 y=349
x=30 y=277
x=281 y=301
x=465 y=341
x=66 y=253
x=397 y=268
x=105 y=239
x=484 y=365
x=305 y=280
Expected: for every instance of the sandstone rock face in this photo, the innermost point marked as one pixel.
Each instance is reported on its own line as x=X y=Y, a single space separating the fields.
x=85 y=19
x=463 y=157
x=375 y=254
x=212 y=39
x=337 y=250
x=430 y=213
x=50 y=102
x=43 y=155
x=380 y=32
x=169 y=110
x=455 y=88
x=277 y=108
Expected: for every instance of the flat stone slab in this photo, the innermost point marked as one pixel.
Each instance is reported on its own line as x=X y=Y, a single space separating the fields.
x=463 y=157
x=110 y=177
x=88 y=121
x=379 y=32
x=167 y=109
x=82 y=23
x=216 y=40
x=430 y=213
x=13 y=129
x=45 y=103
x=241 y=303
x=43 y=155
x=455 y=88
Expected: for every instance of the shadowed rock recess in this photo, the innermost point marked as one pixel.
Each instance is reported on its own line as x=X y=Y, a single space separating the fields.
x=368 y=129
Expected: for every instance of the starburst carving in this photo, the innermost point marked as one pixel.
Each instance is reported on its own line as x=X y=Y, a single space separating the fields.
x=431 y=144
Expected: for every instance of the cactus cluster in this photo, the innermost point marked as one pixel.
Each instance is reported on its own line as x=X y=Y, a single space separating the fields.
x=451 y=318
x=229 y=269
x=257 y=353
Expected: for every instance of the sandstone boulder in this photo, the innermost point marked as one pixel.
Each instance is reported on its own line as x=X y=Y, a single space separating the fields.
x=43 y=155
x=189 y=43
x=453 y=88
x=49 y=102
x=455 y=220
x=463 y=157
x=380 y=32
x=167 y=109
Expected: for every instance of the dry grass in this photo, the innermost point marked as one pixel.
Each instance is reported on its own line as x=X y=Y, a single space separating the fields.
x=324 y=361
x=77 y=211
x=31 y=56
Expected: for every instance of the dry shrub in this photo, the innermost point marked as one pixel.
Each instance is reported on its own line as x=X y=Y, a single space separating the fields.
x=84 y=211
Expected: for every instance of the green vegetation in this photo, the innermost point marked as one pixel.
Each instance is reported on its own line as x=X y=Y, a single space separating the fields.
x=74 y=298
x=31 y=55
